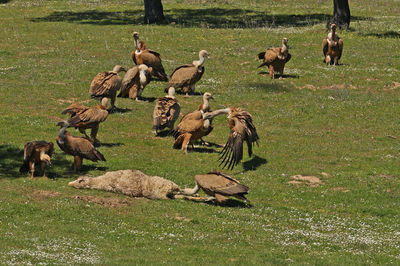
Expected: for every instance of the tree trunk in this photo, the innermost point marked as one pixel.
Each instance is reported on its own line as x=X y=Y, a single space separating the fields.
x=341 y=14
x=153 y=11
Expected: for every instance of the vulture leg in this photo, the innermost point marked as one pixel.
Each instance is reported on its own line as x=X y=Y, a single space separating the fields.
x=220 y=198
x=133 y=92
x=271 y=72
x=43 y=167
x=185 y=142
x=191 y=89
x=185 y=89
x=32 y=168
x=77 y=163
x=83 y=131
x=93 y=134
x=281 y=73
x=112 y=97
x=335 y=61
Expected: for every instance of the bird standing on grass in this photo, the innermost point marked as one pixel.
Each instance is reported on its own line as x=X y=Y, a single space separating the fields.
x=37 y=152
x=332 y=47
x=275 y=58
x=166 y=111
x=134 y=81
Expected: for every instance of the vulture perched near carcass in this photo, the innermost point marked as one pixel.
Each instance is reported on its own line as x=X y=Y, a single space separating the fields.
x=106 y=85
x=332 y=47
x=219 y=186
x=194 y=126
x=37 y=152
x=166 y=112
x=150 y=58
x=84 y=117
x=186 y=76
x=134 y=81
x=79 y=147
x=242 y=130
x=275 y=58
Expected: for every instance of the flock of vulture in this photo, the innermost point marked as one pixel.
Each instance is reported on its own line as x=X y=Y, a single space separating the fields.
x=192 y=126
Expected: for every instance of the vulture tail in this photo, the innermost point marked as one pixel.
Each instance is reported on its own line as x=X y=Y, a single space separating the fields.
x=263 y=64
x=178 y=142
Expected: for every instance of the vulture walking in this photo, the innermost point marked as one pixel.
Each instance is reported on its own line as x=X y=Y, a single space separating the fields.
x=332 y=47
x=275 y=58
x=166 y=111
x=79 y=147
x=194 y=126
x=84 y=117
x=134 y=81
x=150 y=58
x=106 y=85
x=242 y=130
x=218 y=186
x=186 y=76
x=37 y=152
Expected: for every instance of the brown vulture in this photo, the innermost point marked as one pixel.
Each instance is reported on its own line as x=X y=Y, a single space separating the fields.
x=242 y=129
x=166 y=111
x=79 y=147
x=194 y=125
x=332 y=47
x=150 y=58
x=275 y=58
x=106 y=85
x=219 y=186
x=84 y=117
x=134 y=81
x=186 y=76
x=38 y=152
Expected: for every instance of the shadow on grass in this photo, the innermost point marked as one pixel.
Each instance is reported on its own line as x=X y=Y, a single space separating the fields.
x=110 y=145
x=203 y=150
x=269 y=86
x=230 y=203
x=277 y=76
x=254 y=163
x=186 y=17
x=4 y=1
x=119 y=110
x=164 y=133
x=388 y=34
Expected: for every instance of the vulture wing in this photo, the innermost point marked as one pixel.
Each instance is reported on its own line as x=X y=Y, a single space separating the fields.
x=166 y=109
x=325 y=46
x=189 y=123
x=152 y=59
x=340 y=48
x=104 y=84
x=74 y=108
x=133 y=55
x=131 y=77
x=269 y=56
x=242 y=129
x=184 y=76
x=82 y=147
x=221 y=184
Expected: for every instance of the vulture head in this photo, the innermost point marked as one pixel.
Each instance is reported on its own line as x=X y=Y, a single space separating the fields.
x=203 y=54
x=333 y=26
x=143 y=67
x=45 y=158
x=171 y=92
x=118 y=69
x=63 y=124
x=104 y=102
x=207 y=96
x=135 y=35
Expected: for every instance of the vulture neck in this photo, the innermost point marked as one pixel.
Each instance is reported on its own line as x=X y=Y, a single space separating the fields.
x=284 y=48
x=142 y=76
x=43 y=156
x=137 y=51
x=206 y=105
x=211 y=115
x=61 y=134
x=190 y=191
x=199 y=62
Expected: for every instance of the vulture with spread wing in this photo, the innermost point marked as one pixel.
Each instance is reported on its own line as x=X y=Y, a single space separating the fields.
x=37 y=152
x=84 y=117
x=166 y=111
x=332 y=47
x=186 y=76
x=106 y=85
x=79 y=147
x=134 y=81
x=242 y=130
x=219 y=186
x=275 y=58
x=150 y=58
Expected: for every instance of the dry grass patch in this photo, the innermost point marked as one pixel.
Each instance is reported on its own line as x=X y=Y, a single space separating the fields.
x=311 y=181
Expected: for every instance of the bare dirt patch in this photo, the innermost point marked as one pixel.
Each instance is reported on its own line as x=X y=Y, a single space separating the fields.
x=107 y=202
x=311 y=181
x=341 y=189
x=44 y=194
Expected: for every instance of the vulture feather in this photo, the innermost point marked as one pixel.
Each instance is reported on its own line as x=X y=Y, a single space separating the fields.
x=79 y=147
x=84 y=117
x=150 y=58
x=134 y=81
x=186 y=76
x=166 y=111
x=106 y=85
x=218 y=185
x=242 y=130
x=275 y=58
x=332 y=47
x=37 y=152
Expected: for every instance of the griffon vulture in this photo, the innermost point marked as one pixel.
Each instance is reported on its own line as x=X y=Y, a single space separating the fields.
x=134 y=81
x=106 y=85
x=332 y=47
x=219 y=186
x=275 y=58
x=84 y=117
x=242 y=130
x=186 y=76
x=79 y=147
x=38 y=152
x=150 y=58
x=166 y=111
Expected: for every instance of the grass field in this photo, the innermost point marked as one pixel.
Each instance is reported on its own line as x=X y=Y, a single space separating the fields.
x=337 y=123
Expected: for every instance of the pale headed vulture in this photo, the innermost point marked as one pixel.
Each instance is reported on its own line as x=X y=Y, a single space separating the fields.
x=275 y=58
x=332 y=47
x=37 y=152
x=134 y=81
x=166 y=111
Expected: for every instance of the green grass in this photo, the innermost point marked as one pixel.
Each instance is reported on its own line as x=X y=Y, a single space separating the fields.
x=336 y=120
